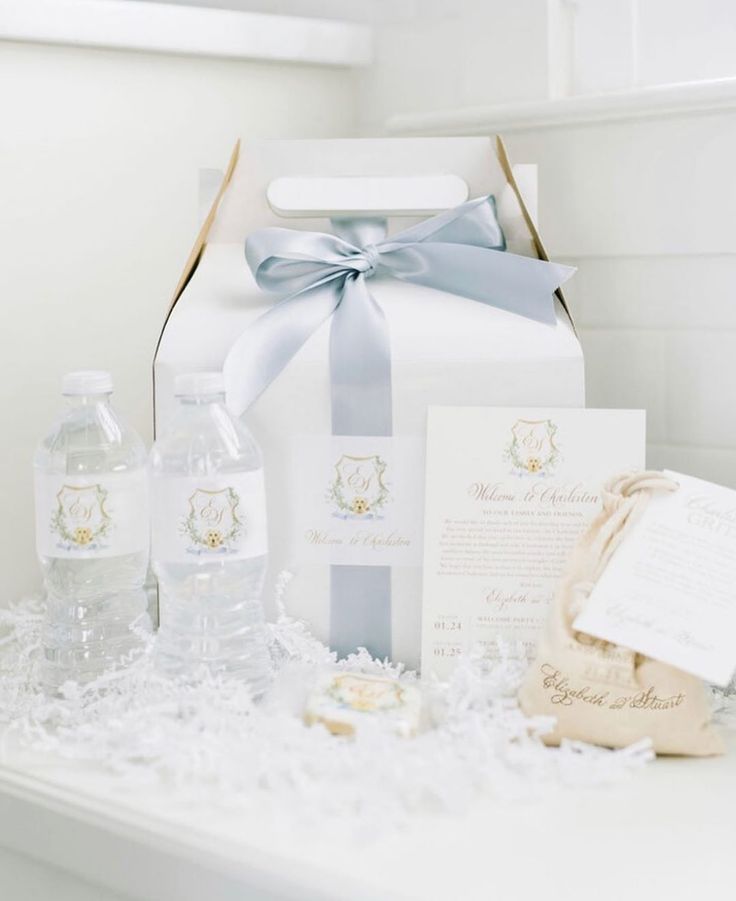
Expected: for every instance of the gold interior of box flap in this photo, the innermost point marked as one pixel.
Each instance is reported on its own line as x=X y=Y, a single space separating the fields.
x=503 y=159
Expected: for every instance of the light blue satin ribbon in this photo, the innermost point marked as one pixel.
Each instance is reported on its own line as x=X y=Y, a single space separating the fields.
x=461 y=252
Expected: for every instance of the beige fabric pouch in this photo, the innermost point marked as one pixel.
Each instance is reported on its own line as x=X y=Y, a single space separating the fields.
x=599 y=692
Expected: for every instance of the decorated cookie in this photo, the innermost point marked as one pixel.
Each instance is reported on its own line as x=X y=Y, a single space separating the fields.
x=344 y=701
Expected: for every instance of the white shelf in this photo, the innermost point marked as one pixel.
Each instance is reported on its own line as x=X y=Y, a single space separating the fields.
x=165 y=28
x=667 y=100
x=72 y=821
x=669 y=826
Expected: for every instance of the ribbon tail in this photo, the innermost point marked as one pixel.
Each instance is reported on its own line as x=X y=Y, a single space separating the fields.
x=360 y=364
x=519 y=284
x=270 y=342
x=474 y=222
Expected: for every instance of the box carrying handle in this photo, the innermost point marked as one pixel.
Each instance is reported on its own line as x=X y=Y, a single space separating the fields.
x=297 y=197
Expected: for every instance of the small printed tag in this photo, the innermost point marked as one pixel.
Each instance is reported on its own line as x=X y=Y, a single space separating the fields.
x=669 y=591
x=91 y=516
x=358 y=500
x=208 y=517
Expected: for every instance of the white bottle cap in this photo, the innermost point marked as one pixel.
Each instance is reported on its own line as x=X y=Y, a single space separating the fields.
x=87 y=381
x=199 y=383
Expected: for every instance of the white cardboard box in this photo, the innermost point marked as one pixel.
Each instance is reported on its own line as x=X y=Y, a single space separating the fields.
x=445 y=350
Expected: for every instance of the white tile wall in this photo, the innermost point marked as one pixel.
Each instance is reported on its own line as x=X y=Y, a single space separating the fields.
x=619 y=44
x=647 y=187
x=454 y=53
x=681 y=40
x=709 y=463
x=645 y=210
x=701 y=378
x=655 y=292
x=627 y=368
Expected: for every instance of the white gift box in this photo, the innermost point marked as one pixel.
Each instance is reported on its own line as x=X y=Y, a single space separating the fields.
x=445 y=349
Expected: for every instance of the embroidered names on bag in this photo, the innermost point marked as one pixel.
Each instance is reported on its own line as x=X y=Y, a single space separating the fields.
x=565 y=693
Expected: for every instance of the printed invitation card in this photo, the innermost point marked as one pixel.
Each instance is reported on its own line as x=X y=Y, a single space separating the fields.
x=508 y=493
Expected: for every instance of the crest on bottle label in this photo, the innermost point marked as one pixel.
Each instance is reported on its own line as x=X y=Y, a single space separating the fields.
x=80 y=518
x=214 y=522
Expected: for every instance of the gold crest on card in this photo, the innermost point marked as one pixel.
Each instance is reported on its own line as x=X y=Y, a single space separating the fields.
x=532 y=450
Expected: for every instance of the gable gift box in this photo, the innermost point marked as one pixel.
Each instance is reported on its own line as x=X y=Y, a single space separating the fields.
x=344 y=286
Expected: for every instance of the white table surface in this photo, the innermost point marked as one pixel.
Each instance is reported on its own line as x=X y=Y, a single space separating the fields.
x=667 y=832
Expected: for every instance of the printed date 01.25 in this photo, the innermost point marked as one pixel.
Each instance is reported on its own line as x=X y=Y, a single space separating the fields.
x=451 y=651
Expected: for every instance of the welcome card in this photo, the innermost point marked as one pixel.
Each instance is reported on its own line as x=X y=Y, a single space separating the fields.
x=508 y=493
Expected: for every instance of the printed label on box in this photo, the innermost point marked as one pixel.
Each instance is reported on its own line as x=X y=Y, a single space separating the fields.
x=91 y=516
x=209 y=517
x=359 y=500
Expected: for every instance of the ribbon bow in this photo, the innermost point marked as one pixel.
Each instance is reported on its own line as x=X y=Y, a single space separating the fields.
x=461 y=251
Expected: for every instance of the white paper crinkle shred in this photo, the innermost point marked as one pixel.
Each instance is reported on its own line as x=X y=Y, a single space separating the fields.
x=211 y=743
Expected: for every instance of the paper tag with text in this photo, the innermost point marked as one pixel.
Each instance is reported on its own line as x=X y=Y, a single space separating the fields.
x=358 y=500
x=669 y=591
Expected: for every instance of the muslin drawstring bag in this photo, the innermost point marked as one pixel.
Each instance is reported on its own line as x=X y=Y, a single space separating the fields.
x=600 y=692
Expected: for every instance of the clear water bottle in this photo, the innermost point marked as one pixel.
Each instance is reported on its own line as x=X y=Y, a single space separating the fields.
x=209 y=541
x=92 y=534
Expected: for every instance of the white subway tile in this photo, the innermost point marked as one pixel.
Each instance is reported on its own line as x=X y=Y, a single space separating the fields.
x=626 y=369
x=660 y=185
x=654 y=292
x=701 y=388
x=604 y=46
x=685 y=41
x=714 y=464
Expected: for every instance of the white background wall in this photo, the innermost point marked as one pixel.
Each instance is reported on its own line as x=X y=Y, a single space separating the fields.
x=99 y=159
x=631 y=43
x=100 y=152
x=447 y=53
x=645 y=210
x=643 y=204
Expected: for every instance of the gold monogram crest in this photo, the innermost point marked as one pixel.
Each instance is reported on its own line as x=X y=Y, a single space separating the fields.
x=532 y=449
x=213 y=522
x=358 y=489
x=80 y=518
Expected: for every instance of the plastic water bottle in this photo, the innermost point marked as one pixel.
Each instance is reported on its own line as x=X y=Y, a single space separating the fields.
x=92 y=534
x=209 y=540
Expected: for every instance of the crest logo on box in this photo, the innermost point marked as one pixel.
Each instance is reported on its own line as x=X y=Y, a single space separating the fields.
x=213 y=523
x=358 y=490
x=80 y=519
x=532 y=450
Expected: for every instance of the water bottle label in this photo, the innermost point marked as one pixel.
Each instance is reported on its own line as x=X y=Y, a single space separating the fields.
x=92 y=516
x=209 y=517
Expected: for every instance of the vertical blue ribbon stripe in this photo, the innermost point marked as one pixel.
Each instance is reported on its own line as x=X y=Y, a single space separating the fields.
x=322 y=276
